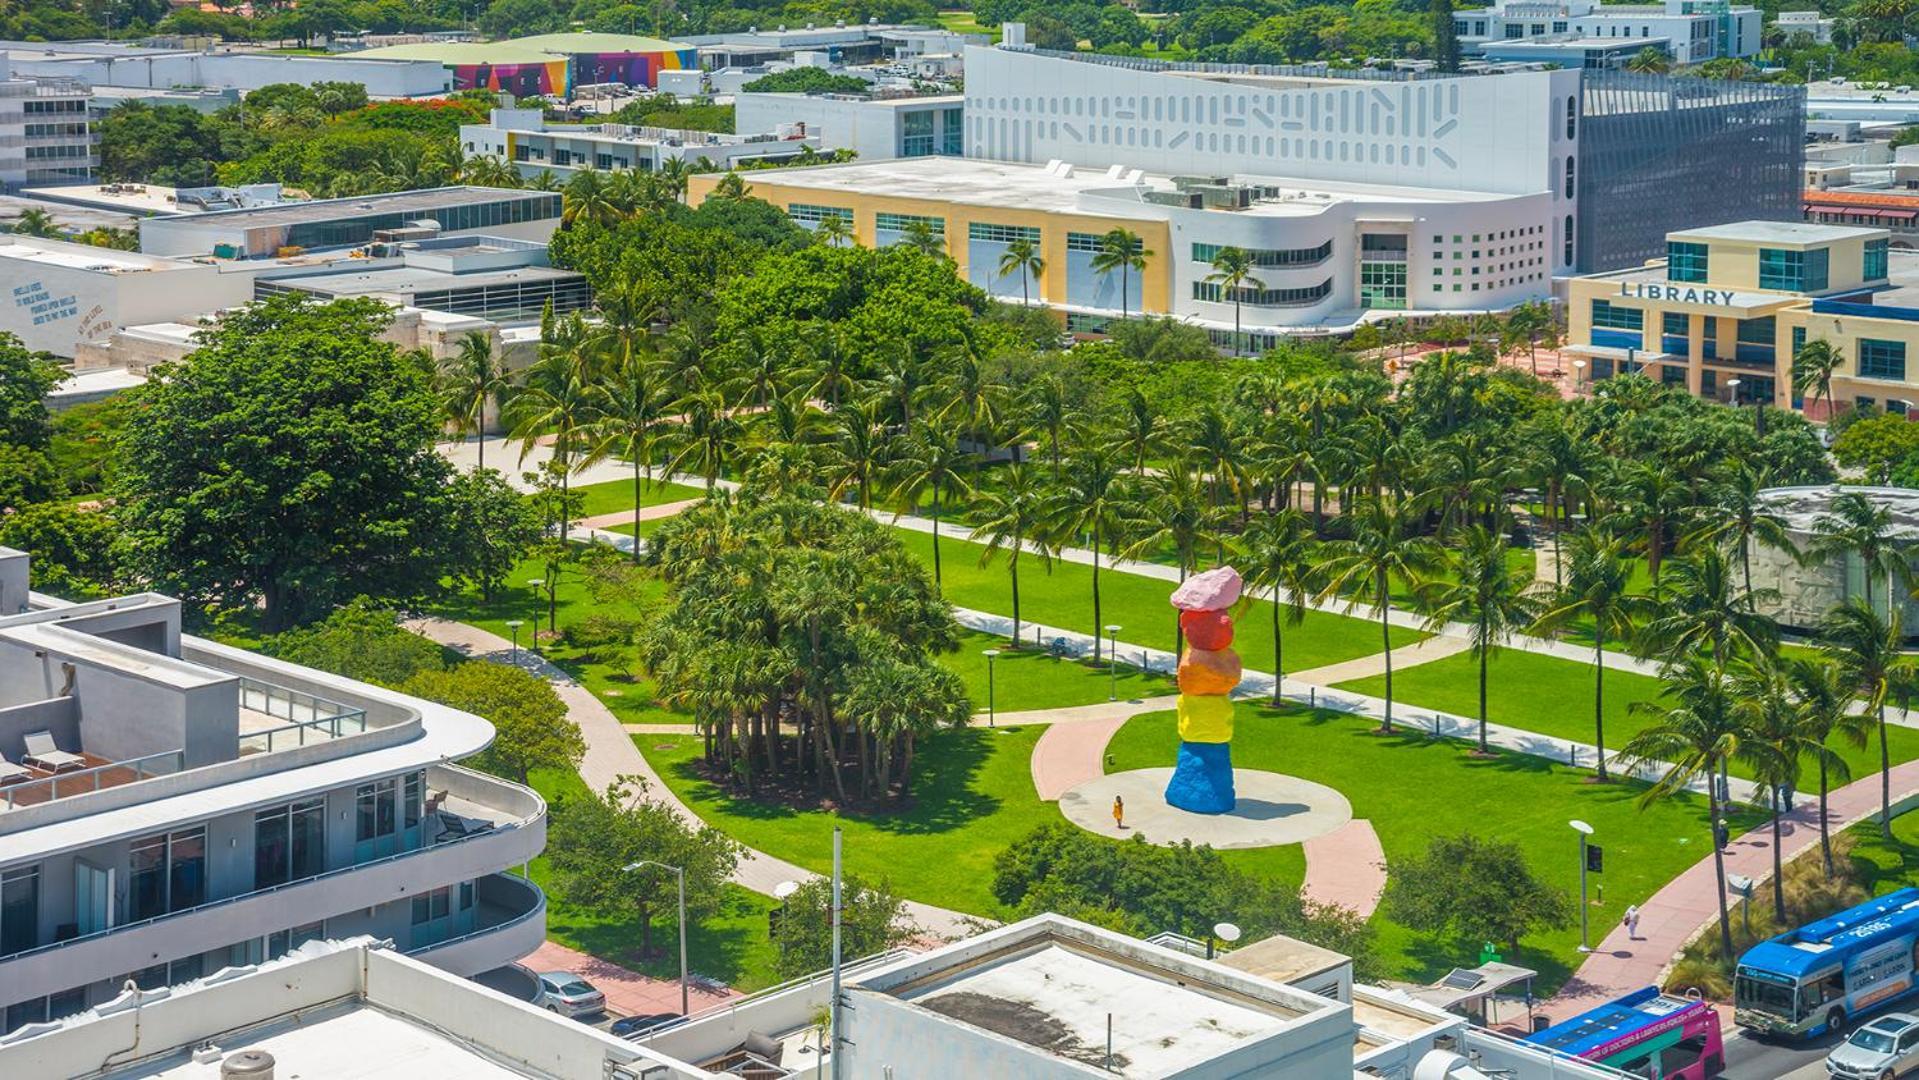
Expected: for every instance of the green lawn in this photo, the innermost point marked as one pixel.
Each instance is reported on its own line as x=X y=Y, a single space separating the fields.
x=616 y=495
x=1031 y=679
x=965 y=22
x=1138 y=604
x=1888 y=864
x=732 y=946
x=972 y=796
x=1413 y=789
x=1553 y=696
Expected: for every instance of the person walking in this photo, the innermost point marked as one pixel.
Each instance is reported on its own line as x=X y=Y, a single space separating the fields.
x=1631 y=922
x=1119 y=812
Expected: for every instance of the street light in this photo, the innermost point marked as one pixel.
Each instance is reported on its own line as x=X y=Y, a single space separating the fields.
x=1579 y=374
x=991 y=655
x=679 y=873
x=534 y=641
x=1732 y=389
x=783 y=892
x=1112 y=661
x=1584 y=830
x=514 y=625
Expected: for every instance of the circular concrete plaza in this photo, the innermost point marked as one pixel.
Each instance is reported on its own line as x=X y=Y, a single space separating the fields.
x=1272 y=809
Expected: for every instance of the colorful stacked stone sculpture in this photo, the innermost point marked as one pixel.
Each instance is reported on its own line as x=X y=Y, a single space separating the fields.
x=1208 y=670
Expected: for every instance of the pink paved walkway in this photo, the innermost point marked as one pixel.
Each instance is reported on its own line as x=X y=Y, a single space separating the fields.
x=1690 y=901
x=1073 y=749
x=1346 y=867
x=625 y=517
x=628 y=993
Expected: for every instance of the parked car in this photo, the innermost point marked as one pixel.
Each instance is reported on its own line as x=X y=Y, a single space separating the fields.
x=569 y=995
x=634 y=1027
x=1882 y=1050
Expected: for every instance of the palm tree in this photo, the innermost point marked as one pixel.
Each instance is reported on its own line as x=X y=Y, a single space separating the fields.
x=1822 y=692
x=933 y=463
x=1139 y=428
x=1695 y=733
x=1651 y=501
x=1122 y=250
x=1012 y=515
x=1022 y=257
x=1866 y=648
x=920 y=236
x=834 y=230
x=1465 y=478
x=1089 y=501
x=629 y=405
x=1705 y=611
x=1049 y=411
x=1490 y=596
x=1233 y=273
x=670 y=179
x=469 y=381
x=1777 y=741
x=36 y=222
x=1385 y=545
x=1650 y=60
x=1560 y=461
x=1813 y=366
x=1743 y=518
x=1597 y=589
x=1855 y=525
x=858 y=452
x=587 y=199
x=489 y=170
x=707 y=433
x=1282 y=558
x=1172 y=510
x=831 y=350
x=556 y=399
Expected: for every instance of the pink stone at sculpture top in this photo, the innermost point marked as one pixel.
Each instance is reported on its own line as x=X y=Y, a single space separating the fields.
x=1215 y=590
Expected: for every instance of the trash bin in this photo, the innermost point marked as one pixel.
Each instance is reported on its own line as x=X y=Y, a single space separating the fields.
x=1541 y=1022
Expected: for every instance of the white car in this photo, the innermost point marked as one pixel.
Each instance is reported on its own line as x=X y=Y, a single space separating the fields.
x=1884 y=1049
x=569 y=995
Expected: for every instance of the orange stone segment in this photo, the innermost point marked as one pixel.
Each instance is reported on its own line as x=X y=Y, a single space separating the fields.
x=1209 y=671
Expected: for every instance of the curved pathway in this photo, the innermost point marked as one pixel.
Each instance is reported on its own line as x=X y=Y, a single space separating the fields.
x=1073 y=749
x=1346 y=867
x=610 y=754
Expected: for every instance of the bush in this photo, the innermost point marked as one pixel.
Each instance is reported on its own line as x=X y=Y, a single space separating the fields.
x=361 y=641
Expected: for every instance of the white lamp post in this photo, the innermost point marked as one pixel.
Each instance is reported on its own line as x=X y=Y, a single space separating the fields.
x=1112 y=661
x=680 y=874
x=991 y=712
x=1584 y=830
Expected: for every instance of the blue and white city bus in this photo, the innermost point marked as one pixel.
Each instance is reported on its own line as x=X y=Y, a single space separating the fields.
x=1811 y=980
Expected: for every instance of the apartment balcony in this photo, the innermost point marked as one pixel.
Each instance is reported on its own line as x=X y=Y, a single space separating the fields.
x=511 y=923
x=499 y=825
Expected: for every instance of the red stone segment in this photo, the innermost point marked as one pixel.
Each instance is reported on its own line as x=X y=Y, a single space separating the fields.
x=1207 y=629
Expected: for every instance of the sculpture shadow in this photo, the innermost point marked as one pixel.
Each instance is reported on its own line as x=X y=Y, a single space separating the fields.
x=1263 y=810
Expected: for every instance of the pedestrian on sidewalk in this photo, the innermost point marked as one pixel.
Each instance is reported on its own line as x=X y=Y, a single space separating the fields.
x=1119 y=812
x=1631 y=922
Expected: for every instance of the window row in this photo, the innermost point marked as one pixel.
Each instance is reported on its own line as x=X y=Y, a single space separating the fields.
x=813 y=214
x=1270 y=257
x=903 y=222
x=1001 y=234
x=1793 y=271
x=1212 y=292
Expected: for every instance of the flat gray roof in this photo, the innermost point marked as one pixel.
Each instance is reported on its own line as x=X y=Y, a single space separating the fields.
x=1781 y=232
x=412 y=279
x=394 y=202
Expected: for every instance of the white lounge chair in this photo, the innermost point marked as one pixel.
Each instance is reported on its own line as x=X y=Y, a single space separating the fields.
x=43 y=752
x=11 y=773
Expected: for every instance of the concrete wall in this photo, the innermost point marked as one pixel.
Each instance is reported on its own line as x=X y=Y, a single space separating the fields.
x=15 y=576
x=246 y=71
x=871 y=129
x=58 y=715
x=62 y=308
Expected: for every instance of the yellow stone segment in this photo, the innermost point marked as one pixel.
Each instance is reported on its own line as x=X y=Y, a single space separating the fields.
x=1205 y=718
x=1209 y=671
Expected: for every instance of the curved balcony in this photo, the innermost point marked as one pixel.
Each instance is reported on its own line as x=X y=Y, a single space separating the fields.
x=511 y=924
x=509 y=829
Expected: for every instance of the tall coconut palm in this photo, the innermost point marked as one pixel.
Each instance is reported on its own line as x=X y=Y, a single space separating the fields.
x=1487 y=593
x=1172 y=510
x=831 y=354
x=556 y=400
x=1561 y=461
x=1012 y=515
x=1739 y=517
x=1822 y=694
x=834 y=230
x=1282 y=558
x=1813 y=367
x=1597 y=590
x=1692 y=731
x=588 y=198
x=1048 y=409
x=1866 y=648
x=704 y=439
x=1122 y=250
x=1650 y=500
x=1232 y=271
x=1022 y=257
x=934 y=464
x=922 y=238
x=469 y=382
x=1385 y=545
x=1139 y=428
x=857 y=453
x=1777 y=742
x=1089 y=504
x=629 y=407
x=1705 y=610
x=1855 y=525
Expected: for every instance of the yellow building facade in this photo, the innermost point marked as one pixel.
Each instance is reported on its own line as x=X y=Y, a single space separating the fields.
x=1730 y=306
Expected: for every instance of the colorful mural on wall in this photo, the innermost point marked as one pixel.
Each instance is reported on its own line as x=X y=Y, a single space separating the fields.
x=520 y=80
x=630 y=68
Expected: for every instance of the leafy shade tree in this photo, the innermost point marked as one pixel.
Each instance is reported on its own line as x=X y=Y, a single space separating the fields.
x=72 y=549
x=360 y=640
x=1474 y=889
x=491 y=527
x=530 y=725
x=470 y=382
x=1232 y=271
x=26 y=377
x=1866 y=648
x=1385 y=545
x=1487 y=593
x=872 y=920
x=1813 y=367
x=1876 y=445
x=1598 y=593
x=1121 y=250
x=1012 y=515
x=1282 y=558
x=1022 y=257
x=287 y=462
x=595 y=838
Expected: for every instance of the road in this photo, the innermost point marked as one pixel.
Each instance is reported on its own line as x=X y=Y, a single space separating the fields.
x=1748 y=1058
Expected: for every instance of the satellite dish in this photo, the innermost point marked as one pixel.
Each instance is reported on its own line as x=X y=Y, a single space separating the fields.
x=1226 y=932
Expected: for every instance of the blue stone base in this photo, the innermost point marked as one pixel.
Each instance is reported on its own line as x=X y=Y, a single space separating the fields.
x=1202 y=778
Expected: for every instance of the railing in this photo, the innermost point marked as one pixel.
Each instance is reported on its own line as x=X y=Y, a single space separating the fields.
x=1558 y=1063
x=502 y=829
x=731 y=1004
x=310 y=718
x=81 y=781
x=535 y=905
x=300 y=733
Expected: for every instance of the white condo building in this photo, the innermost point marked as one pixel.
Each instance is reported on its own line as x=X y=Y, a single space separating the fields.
x=170 y=807
x=45 y=136
x=1689 y=31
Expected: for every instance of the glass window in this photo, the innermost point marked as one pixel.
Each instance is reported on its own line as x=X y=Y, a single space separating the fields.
x=1569 y=238
x=1792 y=271
x=1001 y=234
x=1617 y=318
x=19 y=909
x=289 y=843
x=1875 y=263
x=1212 y=292
x=1206 y=253
x=1572 y=116
x=376 y=810
x=413 y=799
x=1882 y=359
x=903 y=222
x=1570 y=162
x=1685 y=262
x=809 y=214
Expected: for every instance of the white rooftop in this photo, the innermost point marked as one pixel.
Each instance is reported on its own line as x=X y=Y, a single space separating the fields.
x=346 y=1040
x=69 y=256
x=1778 y=232
x=138 y=199
x=1060 y=187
